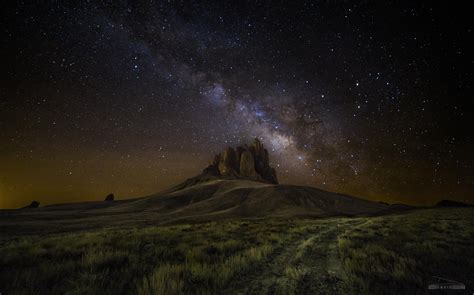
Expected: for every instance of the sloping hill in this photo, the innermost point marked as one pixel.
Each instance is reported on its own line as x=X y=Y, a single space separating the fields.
x=248 y=199
x=211 y=199
x=228 y=198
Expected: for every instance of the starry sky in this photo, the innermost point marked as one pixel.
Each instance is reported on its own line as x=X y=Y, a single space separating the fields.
x=368 y=98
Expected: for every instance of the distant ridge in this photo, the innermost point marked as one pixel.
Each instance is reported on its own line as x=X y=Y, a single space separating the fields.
x=451 y=203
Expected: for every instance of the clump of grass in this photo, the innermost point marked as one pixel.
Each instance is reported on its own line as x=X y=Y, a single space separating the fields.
x=302 y=248
x=295 y=273
x=166 y=279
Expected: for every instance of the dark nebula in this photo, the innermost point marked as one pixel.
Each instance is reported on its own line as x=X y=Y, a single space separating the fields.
x=369 y=98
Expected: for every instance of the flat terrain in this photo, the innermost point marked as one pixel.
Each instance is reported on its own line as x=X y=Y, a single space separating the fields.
x=389 y=254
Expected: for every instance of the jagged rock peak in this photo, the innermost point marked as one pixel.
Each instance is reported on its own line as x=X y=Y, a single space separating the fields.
x=245 y=162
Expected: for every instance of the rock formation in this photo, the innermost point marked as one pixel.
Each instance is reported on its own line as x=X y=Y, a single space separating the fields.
x=110 y=197
x=228 y=163
x=245 y=162
x=33 y=204
x=247 y=166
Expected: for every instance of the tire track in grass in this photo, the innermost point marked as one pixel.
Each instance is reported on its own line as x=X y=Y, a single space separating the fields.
x=325 y=274
x=307 y=264
x=263 y=279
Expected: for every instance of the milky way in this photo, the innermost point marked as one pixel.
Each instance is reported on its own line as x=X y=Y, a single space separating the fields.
x=365 y=98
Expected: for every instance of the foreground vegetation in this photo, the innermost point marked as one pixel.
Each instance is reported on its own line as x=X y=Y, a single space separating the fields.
x=399 y=254
x=199 y=258
x=373 y=255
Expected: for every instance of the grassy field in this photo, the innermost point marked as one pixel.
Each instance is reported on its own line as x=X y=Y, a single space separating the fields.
x=371 y=255
x=401 y=253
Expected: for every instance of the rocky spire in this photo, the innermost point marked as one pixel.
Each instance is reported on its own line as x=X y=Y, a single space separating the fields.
x=247 y=166
x=229 y=163
x=245 y=162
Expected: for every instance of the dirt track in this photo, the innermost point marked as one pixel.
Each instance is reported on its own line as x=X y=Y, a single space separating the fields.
x=307 y=264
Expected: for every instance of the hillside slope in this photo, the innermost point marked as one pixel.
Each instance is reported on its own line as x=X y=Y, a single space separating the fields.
x=208 y=200
x=248 y=199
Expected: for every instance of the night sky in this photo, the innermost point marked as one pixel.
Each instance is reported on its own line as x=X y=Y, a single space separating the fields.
x=368 y=98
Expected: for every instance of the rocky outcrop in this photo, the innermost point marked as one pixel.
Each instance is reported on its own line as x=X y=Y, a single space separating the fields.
x=229 y=163
x=109 y=198
x=247 y=166
x=33 y=204
x=245 y=162
x=211 y=171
